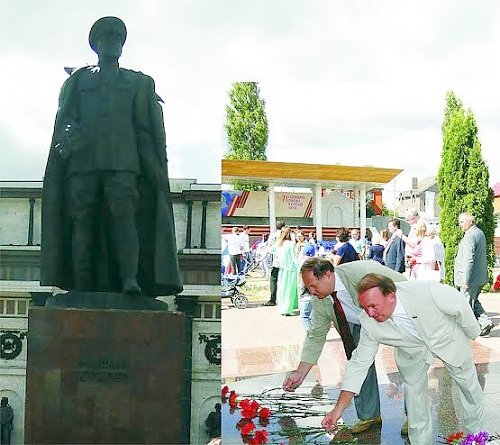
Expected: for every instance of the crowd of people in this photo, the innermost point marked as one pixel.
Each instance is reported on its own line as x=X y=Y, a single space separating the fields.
x=281 y=254
x=388 y=291
x=288 y=249
x=419 y=254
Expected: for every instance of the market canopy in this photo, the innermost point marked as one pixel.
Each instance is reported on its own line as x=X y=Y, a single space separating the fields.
x=293 y=174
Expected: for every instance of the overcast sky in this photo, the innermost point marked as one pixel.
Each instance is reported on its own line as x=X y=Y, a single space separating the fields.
x=349 y=82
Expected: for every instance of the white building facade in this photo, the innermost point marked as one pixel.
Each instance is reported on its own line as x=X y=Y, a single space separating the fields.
x=197 y=222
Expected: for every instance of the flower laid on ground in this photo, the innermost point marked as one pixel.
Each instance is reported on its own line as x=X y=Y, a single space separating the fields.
x=232 y=399
x=260 y=436
x=250 y=409
x=460 y=438
x=455 y=438
x=283 y=409
x=496 y=284
x=246 y=427
x=264 y=413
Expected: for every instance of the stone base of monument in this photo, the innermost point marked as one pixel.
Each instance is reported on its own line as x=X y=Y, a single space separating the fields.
x=104 y=300
x=105 y=376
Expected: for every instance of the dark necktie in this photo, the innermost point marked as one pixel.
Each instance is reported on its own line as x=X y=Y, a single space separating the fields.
x=344 y=331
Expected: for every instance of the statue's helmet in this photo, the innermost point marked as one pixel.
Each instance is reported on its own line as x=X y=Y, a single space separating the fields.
x=107 y=24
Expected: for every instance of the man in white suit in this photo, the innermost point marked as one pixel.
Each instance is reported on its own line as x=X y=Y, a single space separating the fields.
x=471 y=268
x=422 y=320
x=342 y=280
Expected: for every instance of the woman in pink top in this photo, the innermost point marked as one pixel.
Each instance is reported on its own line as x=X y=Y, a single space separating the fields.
x=423 y=261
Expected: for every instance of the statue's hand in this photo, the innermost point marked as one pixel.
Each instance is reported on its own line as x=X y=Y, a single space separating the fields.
x=71 y=139
x=63 y=150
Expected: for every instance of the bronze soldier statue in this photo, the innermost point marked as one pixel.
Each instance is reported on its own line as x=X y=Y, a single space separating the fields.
x=107 y=219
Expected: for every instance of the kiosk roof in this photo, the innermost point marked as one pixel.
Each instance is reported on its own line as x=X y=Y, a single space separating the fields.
x=305 y=175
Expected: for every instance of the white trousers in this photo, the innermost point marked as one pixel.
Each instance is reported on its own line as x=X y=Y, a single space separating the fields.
x=419 y=408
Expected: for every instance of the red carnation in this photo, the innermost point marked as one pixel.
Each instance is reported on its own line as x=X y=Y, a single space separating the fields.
x=225 y=390
x=454 y=438
x=249 y=408
x=264 y=413
x=260 y=437
x=247 y=428
x=496 y=286
x=232 y=399
x=244 y=403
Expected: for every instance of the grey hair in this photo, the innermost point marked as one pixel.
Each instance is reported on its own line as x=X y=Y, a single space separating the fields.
x=468 y=216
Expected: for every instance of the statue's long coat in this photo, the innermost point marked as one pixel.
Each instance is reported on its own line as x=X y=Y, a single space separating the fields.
x=158 y=267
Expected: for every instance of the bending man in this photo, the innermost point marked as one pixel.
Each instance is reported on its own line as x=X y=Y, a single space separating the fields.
x=422 y=320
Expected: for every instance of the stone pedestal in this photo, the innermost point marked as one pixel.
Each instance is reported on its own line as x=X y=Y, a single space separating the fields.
x=105 y=376
x=104 y=300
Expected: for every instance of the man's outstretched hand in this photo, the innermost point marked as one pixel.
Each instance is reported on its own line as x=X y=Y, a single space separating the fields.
x=330 y=421
x=293 y=381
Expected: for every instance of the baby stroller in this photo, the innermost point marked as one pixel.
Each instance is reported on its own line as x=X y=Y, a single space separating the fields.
x=230 y=288
x=249 y=263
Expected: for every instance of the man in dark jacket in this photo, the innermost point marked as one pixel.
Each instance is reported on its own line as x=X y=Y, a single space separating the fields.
x=470 y=272
x=394 y=253
x=107 y=220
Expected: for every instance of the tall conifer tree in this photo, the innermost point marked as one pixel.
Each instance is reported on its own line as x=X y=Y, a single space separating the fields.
x=463 y=181
x=246 y=127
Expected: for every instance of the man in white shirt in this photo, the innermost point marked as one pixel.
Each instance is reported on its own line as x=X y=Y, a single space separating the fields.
x=234 y=250
x=273 y=250
x=422 y=320
x=245 y=246
x=356 y=242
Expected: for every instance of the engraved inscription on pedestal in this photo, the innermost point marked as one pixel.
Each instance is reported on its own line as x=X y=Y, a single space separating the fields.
x=102 y=371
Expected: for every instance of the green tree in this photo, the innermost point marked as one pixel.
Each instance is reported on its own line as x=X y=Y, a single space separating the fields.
x=246 y=127
x=463 y=181
x=370 y=210
x=386 y=211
